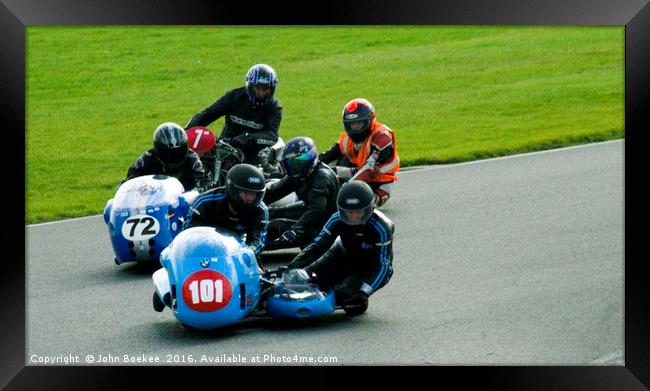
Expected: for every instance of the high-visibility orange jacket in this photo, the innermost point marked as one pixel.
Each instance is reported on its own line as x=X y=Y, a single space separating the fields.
x=380 y=137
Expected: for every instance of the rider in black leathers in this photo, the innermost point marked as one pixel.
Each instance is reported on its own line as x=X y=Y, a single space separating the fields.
x=353 y=253
x=170 y=156
x=316 y=188
x=253 y=115
x=237 y=207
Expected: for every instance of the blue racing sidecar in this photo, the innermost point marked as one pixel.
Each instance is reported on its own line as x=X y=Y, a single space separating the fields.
x=211 y=279
x=146 y=213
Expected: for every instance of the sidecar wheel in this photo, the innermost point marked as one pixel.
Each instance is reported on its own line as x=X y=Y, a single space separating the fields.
x=158 y=305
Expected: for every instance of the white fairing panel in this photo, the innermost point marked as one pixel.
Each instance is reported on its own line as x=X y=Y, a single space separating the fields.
x=147 y=191
x=161 y=282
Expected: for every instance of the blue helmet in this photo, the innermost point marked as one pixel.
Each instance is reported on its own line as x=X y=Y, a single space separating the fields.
x=260 y=75
x=299 y=157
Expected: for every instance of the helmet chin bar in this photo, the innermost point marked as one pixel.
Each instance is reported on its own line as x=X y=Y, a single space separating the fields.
x=359 y=137
x=171 y=167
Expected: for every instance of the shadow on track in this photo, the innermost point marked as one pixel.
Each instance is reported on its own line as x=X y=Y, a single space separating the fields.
x=113 y=274
x=171 y=330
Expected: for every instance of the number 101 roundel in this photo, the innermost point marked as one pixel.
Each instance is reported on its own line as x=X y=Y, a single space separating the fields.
x=207 y=291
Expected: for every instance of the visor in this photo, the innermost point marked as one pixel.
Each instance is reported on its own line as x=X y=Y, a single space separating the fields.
x=367 y=212
x=259 y=195
x=356 y=127
x=298 y=165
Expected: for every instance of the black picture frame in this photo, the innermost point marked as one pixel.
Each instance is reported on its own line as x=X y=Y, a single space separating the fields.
x=16 y=15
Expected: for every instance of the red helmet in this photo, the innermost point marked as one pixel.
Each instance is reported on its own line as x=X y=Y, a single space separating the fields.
x=358 y=118
x=200 y=139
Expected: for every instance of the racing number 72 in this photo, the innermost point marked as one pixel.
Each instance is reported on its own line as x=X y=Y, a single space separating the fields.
x=146 y=230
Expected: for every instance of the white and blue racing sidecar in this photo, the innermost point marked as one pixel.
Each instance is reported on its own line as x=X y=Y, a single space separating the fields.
x=146 y=213
x=211 y=279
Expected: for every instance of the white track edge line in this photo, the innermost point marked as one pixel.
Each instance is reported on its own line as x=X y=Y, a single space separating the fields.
x=414 y=169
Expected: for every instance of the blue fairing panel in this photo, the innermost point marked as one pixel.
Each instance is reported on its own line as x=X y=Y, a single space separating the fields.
x=214 y=278
x=299 y=301
x=144 y=216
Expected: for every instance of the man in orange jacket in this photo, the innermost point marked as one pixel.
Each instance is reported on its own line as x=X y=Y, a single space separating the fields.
x=366 y=150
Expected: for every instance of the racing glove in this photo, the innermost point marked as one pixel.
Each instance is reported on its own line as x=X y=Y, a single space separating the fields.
x=288 y=236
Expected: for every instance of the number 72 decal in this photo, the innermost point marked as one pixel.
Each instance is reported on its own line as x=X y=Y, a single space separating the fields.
x=140 y=227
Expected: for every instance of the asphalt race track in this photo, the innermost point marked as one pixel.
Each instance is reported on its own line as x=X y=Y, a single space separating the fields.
x=516 y=260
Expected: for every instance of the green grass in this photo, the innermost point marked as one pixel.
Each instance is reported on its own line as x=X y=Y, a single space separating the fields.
x=95 y=94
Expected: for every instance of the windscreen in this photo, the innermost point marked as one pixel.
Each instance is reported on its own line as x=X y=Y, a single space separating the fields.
x=147 y=191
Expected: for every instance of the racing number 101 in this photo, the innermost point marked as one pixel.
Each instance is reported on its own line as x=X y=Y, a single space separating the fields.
x=206 y=291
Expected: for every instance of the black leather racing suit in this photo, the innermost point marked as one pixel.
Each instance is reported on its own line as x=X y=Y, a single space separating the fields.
x=248 y=127
x=212 y=209
x=190 y=173
x=350 y=258
x=317 y=192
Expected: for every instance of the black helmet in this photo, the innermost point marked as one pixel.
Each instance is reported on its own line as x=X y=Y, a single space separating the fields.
x=355 y=196
x=244 y=178
x=299 y=156
x=260 y=75
x=170 y=143
x=358 y=117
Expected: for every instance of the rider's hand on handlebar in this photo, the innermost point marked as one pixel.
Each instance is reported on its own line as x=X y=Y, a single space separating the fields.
x=288 y=236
